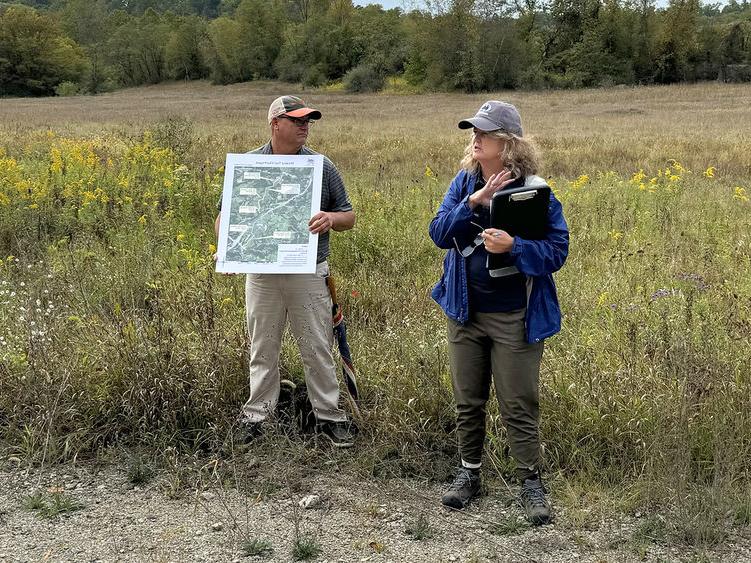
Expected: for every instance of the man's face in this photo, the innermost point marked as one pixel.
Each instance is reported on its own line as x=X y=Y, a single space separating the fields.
x=292 y=130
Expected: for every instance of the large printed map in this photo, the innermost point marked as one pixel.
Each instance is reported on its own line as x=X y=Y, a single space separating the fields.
x=266 y=205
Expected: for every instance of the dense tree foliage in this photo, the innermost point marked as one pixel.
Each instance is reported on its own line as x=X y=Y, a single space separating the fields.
x=469 y=45
x=35 y=55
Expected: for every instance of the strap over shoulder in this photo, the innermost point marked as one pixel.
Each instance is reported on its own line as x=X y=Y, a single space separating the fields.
x=533 y=181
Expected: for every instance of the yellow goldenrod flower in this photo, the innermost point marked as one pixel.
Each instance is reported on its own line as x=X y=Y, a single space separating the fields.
x=142 y=219
x=638 y=177
x=56 y=157
x=740 y=194
x=677 y=166
x=579 y=182
x=615 y=235
x=710 y=172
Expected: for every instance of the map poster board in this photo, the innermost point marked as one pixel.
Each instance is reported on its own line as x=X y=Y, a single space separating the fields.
x=267 y=202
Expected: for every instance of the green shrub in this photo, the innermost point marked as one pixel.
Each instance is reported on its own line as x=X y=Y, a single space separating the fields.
x=363 y=78
x=314 y=76
x=67 y=89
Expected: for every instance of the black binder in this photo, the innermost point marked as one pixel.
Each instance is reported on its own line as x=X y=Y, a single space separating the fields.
x=520 y=212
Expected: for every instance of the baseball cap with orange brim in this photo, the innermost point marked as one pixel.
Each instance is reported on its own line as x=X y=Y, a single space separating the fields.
x=291 y=106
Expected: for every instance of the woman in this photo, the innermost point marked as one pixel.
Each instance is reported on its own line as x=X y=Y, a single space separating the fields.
x=497 y=325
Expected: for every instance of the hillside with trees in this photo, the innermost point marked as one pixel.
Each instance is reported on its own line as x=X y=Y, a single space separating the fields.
x=67 y=47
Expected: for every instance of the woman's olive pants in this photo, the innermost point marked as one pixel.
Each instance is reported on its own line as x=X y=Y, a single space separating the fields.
x=494 y=345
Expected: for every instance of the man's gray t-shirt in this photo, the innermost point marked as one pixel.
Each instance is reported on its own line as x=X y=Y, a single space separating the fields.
x=333 y=194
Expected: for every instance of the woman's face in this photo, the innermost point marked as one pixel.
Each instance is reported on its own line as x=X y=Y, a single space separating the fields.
x=486 y=148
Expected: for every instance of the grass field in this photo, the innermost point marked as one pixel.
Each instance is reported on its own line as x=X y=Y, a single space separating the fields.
x=114 y=329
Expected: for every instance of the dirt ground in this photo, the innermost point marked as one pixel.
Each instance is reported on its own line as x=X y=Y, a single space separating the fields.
x=352 y=519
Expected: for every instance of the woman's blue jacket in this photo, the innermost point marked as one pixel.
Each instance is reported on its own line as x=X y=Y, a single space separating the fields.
x=536 y=259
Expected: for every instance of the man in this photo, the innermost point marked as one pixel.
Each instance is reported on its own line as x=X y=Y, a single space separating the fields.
x=303 y=299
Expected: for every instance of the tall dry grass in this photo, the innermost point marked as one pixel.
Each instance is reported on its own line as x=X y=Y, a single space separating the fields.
x=114 y=330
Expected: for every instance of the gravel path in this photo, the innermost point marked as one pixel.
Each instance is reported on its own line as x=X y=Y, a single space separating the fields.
x=349 y=519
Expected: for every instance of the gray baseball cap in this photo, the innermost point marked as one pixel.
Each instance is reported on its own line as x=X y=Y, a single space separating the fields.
x=495 y=115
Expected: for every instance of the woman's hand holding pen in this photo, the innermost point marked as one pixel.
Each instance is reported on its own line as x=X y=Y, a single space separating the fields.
x=497 y=241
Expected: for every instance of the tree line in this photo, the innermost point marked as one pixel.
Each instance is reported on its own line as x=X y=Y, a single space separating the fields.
x=89 y=46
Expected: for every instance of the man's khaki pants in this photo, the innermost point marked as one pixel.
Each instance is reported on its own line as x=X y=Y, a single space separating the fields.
x=304 y=300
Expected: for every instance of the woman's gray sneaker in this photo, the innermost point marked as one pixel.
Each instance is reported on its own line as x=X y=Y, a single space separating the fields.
x=466 y=485
x=534 y=502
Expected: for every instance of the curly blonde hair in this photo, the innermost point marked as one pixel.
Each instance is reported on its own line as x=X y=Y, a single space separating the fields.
x=520 y=155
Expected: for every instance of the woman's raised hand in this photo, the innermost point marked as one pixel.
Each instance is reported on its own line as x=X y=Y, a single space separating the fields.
x=495 y=183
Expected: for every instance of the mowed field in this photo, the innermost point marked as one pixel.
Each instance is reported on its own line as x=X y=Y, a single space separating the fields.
x=608 y=129
x=114 y=330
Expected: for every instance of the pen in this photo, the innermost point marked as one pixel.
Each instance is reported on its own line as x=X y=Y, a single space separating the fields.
x=483 y=228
